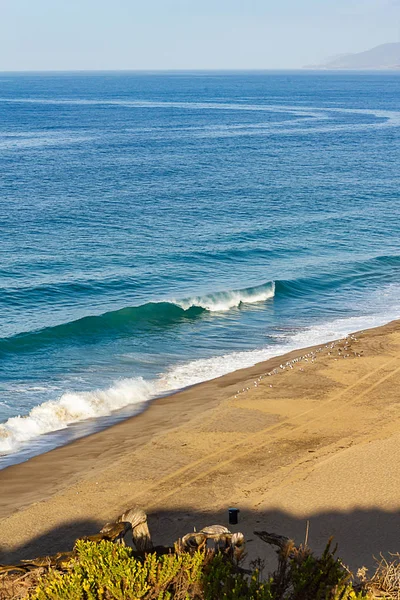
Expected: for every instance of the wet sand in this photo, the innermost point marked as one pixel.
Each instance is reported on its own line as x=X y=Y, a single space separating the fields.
x=312 y=435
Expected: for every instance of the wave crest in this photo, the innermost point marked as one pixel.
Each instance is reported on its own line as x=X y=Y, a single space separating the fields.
x=125 y=321
x=223 y=301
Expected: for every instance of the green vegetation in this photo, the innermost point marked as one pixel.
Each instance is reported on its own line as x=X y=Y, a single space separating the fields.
x=106 y=571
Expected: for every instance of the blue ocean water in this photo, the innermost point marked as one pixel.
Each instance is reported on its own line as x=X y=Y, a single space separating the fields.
x=158 y=230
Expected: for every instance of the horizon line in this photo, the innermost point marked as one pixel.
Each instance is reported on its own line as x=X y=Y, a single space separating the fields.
x=205 y=70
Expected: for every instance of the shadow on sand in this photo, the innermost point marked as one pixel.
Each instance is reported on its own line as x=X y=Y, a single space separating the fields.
x=360 y=534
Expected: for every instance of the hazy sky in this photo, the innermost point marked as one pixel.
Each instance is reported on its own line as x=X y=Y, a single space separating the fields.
x=189 y=34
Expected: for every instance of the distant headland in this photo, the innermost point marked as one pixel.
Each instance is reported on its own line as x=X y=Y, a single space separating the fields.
x=384 y=56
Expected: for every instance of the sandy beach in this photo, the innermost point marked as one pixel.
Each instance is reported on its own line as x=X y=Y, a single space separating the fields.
x=312 y=435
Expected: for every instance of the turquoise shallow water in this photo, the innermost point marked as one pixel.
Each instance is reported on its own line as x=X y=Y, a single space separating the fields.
x=158 y=230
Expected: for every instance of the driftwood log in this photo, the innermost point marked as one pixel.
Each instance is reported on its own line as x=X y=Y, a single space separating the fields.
x=286 y=546
x=11 y=568
x=231 y=544
x=111 y=532
x=135 y=520
x=272 y=538
x=55 y=561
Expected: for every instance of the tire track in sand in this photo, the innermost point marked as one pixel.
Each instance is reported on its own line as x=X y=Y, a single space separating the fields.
x=253 y=438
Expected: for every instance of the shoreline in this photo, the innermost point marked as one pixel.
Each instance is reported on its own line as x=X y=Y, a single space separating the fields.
x=215 y=444
x=78 y=429
x=126 y=428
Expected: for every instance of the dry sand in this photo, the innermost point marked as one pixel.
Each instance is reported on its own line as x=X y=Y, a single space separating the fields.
x=319 y=440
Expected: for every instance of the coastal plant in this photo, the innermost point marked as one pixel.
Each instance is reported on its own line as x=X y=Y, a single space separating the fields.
x=303 y=576
x=222 y=580
x=106 y=571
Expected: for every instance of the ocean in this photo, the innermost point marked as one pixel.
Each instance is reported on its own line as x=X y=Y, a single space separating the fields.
x=162 y=229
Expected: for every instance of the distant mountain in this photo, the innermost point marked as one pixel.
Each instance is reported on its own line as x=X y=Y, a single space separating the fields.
x=385 y=56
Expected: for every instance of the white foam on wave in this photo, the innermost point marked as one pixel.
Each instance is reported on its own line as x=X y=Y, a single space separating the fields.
x=384 y=118
x=317 y=112
x=73 y=407
x=223 y=301
x=30 y=140
x=230 y=106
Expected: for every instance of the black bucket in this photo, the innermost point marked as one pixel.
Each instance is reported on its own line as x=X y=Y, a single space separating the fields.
x=233 y=514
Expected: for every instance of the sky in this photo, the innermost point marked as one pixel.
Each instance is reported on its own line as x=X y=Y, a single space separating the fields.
x=189 y=34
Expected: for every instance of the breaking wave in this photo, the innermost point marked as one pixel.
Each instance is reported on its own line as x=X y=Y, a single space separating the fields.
x=72 y=407
x=126 y=320
x=222 y=301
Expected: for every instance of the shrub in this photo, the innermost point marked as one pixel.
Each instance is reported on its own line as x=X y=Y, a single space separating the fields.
x=106 y=571
x=222 y=580
x=303 y=576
